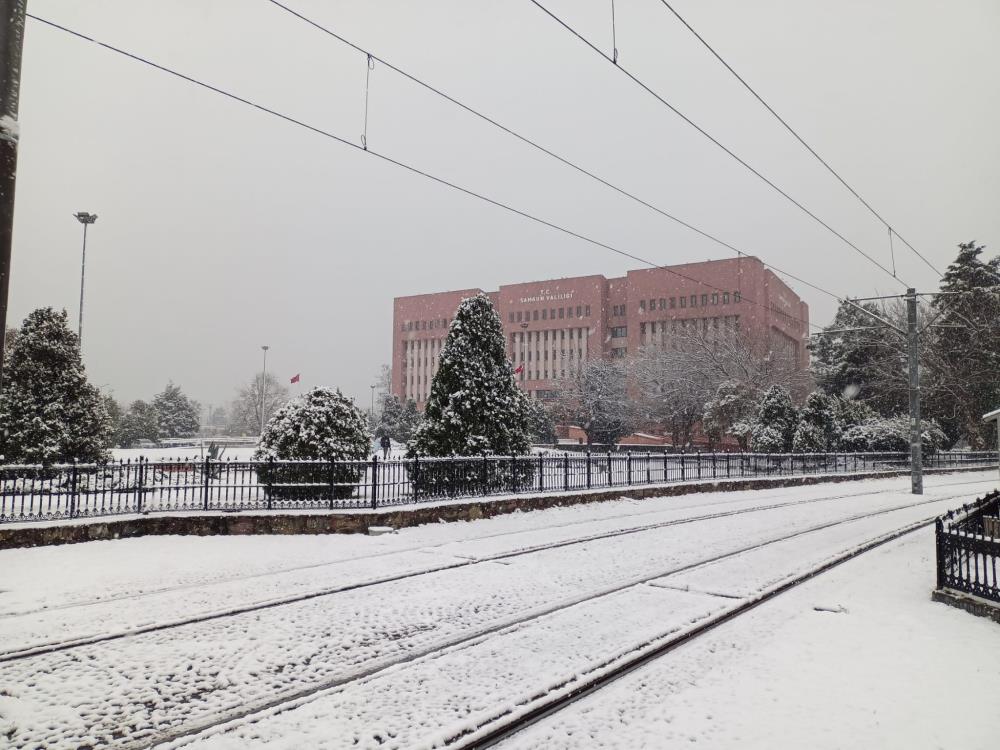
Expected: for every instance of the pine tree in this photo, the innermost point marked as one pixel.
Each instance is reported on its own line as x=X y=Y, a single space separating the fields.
x=177 y=415
x=728 y=412
x=962 y=354
x=49 y=413
x=395 y=419
x=775 y=422
x=819 y=427
x=474 y=406
x=139 y=422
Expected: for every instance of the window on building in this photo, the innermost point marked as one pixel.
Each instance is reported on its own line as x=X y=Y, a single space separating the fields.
x=725 y=298
x=618 y=352
x=534 y=314
x=545 y=314
x=642 y=329
x=619 y=332
x=694 y=300
x=704 y=300
x=562 y=311
x=510 y=317
x=562 y=334
x=736 y=297
x=545 y=335
x=684 y=301
x=663 y=303
x=518 y=316
x=586 y=311
x=642 y=305
x=715 y=298
x=552 y=314
x=569 y=312
x=652 y=304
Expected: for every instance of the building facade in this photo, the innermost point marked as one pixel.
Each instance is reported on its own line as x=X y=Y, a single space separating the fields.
x=551 y=326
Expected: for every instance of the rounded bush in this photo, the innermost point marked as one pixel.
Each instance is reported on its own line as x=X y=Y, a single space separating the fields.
x=321 y=425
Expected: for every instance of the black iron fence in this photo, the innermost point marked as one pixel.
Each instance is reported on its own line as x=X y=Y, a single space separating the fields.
x=968 y=548
x=30 y=493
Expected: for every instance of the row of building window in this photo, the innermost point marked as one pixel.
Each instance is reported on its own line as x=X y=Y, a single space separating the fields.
x=424 y=325
x=619 y=332
x=549 y=313
x=670 y=303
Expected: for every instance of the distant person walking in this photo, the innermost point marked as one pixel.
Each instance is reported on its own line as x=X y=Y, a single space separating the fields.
x=386 y=444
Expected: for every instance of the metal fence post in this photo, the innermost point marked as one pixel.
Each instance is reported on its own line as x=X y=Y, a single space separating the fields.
x=699 y=463
x=714 y=473
x=939 y=550
x=541 y=473
x=649 y=468
x=332 y=476
x=140 y=478
x=483 y=473
x=611 y=481
x=566 y=471
x=628 y=467
x=74 y=479
x=416 y=475
x=270 y=482
x=206 y=476
x=588 y=468
x=682 y=465
x=374 y=481
x=513 y=473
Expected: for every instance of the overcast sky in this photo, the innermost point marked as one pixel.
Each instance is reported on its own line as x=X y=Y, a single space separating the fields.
x=221 y=228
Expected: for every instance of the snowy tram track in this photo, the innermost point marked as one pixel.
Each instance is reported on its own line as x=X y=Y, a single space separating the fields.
x=240 y=717
x=521 y=696
x=101 y=623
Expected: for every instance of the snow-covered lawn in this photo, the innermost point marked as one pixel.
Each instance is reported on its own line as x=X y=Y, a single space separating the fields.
x=405 y=638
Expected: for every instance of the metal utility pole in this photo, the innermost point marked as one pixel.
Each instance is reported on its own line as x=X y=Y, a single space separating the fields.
x=913 y=353
x=86 y=219
x=371 y=409
x=263 y=391
x=11 y=43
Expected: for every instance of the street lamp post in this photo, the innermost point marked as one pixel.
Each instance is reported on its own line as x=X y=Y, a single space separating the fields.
x=263 y=391
x=371 y=410
x=86 y=219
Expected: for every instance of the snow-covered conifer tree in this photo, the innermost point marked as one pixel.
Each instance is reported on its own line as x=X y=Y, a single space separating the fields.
x=177 y=415
x=819 y=428
x=474 y=406
x=49 y=413
x=774 y=425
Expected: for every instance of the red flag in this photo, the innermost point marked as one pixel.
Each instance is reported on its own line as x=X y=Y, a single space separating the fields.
x=295 y=378
x=519 y=370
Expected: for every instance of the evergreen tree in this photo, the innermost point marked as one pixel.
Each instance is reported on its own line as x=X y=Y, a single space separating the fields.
x=541 y=428
x=961 y=380
x=177 y=415
x=775 y=422
x=728 y=413
x=115 y=414
x=862 y=360
x=320 y=425
x=474 y=406
x=139 y=422
x=819 y=427
x=395 y=419
x=49 y=413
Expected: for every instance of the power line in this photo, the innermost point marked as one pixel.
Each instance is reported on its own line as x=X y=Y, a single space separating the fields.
x=810 y=149
x=534 y=144
x=407 y=167
x=715 y=141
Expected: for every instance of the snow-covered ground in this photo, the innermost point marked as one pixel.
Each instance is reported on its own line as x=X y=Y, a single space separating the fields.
x=401 y=640
x=857 y=658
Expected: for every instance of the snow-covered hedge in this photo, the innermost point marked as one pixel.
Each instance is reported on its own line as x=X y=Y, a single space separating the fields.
x=891 y=434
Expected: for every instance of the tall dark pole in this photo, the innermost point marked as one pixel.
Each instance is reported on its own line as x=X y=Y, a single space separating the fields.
x=86 y=219
x=263 y=391
x=916 y=452
x=11 y=42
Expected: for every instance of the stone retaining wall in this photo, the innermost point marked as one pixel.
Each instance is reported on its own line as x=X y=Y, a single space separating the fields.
x=354 y=522
x=971 y=604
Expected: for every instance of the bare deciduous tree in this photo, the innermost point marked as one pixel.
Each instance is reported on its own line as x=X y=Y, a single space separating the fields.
x=245 y=411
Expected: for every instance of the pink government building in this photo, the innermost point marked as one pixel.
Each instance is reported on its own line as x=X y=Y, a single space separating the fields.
x=551 y=325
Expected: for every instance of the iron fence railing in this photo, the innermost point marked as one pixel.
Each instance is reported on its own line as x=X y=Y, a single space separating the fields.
x=968 y=548
x=92 y=490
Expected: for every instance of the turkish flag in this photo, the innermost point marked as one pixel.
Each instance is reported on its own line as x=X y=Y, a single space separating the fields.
x=295 y=378
x=519 y=370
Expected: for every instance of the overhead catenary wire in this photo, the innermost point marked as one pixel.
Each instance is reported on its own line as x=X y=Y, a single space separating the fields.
x=414 y=170
x=753 y=170
x=543 y=149
x=801 y=140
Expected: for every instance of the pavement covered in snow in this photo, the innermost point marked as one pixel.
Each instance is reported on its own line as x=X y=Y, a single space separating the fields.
x=407 y=640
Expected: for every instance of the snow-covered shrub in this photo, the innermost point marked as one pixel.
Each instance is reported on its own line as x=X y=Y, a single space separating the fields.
x=49 y=413
x=775 y=422
x=892 y=434
x=819 y=428
x=320 y=425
